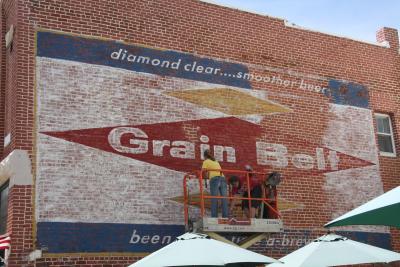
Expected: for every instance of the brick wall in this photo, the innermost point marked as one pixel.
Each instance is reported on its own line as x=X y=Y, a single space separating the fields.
x=66 y=260
x=72 y=96
x=19 y=224
x=9 y=57
x=3 y=75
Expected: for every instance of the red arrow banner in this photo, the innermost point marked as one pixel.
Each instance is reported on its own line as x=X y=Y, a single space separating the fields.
x=234 y=142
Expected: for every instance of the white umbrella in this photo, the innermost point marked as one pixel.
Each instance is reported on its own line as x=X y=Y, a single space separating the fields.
x=383 y=210
x=335 y=250
x=199 y=250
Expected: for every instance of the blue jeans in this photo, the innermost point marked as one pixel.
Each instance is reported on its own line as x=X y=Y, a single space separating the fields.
x=218 y=187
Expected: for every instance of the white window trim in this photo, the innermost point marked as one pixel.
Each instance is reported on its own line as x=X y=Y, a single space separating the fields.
x=387 y=154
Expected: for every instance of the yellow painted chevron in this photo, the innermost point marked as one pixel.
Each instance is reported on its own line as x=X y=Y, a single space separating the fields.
x=229 y=101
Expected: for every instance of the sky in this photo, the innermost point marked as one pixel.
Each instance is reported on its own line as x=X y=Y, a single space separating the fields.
x=356 y=19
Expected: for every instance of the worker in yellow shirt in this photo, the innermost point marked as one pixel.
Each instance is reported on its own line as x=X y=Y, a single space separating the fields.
x=218 y=185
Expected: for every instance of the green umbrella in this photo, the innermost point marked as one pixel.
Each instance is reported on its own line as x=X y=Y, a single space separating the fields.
x=383 y=210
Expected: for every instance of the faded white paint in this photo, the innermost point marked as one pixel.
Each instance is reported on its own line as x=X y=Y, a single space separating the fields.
x=101 y=96
x=105 y=187
x=350 y=131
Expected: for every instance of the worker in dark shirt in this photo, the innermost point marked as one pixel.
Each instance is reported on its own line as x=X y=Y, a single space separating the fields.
x=255 y=192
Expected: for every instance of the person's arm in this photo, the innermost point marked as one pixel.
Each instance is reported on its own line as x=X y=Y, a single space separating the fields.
x=205 y=173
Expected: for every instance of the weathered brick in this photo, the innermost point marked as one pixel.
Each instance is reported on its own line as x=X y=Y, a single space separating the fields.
x=105 y=97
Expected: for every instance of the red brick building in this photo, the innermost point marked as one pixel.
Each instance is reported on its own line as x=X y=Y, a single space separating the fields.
x=106 y=104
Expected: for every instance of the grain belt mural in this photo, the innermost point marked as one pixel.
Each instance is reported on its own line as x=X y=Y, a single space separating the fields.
x=119 y=125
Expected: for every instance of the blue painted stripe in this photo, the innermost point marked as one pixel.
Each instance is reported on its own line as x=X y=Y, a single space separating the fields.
x=382 y=240
x=348 y=93
x=142 y=59
x=62 y=237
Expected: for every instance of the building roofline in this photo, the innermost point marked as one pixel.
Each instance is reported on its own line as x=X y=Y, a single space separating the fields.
x=287 y=23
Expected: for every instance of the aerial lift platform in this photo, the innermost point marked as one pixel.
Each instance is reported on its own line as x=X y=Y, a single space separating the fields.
x=266 y=220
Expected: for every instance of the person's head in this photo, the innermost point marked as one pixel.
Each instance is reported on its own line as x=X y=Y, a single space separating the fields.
x=207 y=155
x=273 y=179
x=267 y=181
x=234 y=181
x=248 y=168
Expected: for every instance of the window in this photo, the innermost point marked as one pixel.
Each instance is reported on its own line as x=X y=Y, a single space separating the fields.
x=385 y=135
x=3 y=207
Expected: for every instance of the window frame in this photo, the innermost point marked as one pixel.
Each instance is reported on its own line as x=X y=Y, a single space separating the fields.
x=4 y=186
x=383 y=153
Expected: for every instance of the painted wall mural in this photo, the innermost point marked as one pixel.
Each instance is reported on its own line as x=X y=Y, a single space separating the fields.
x=119 y=125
